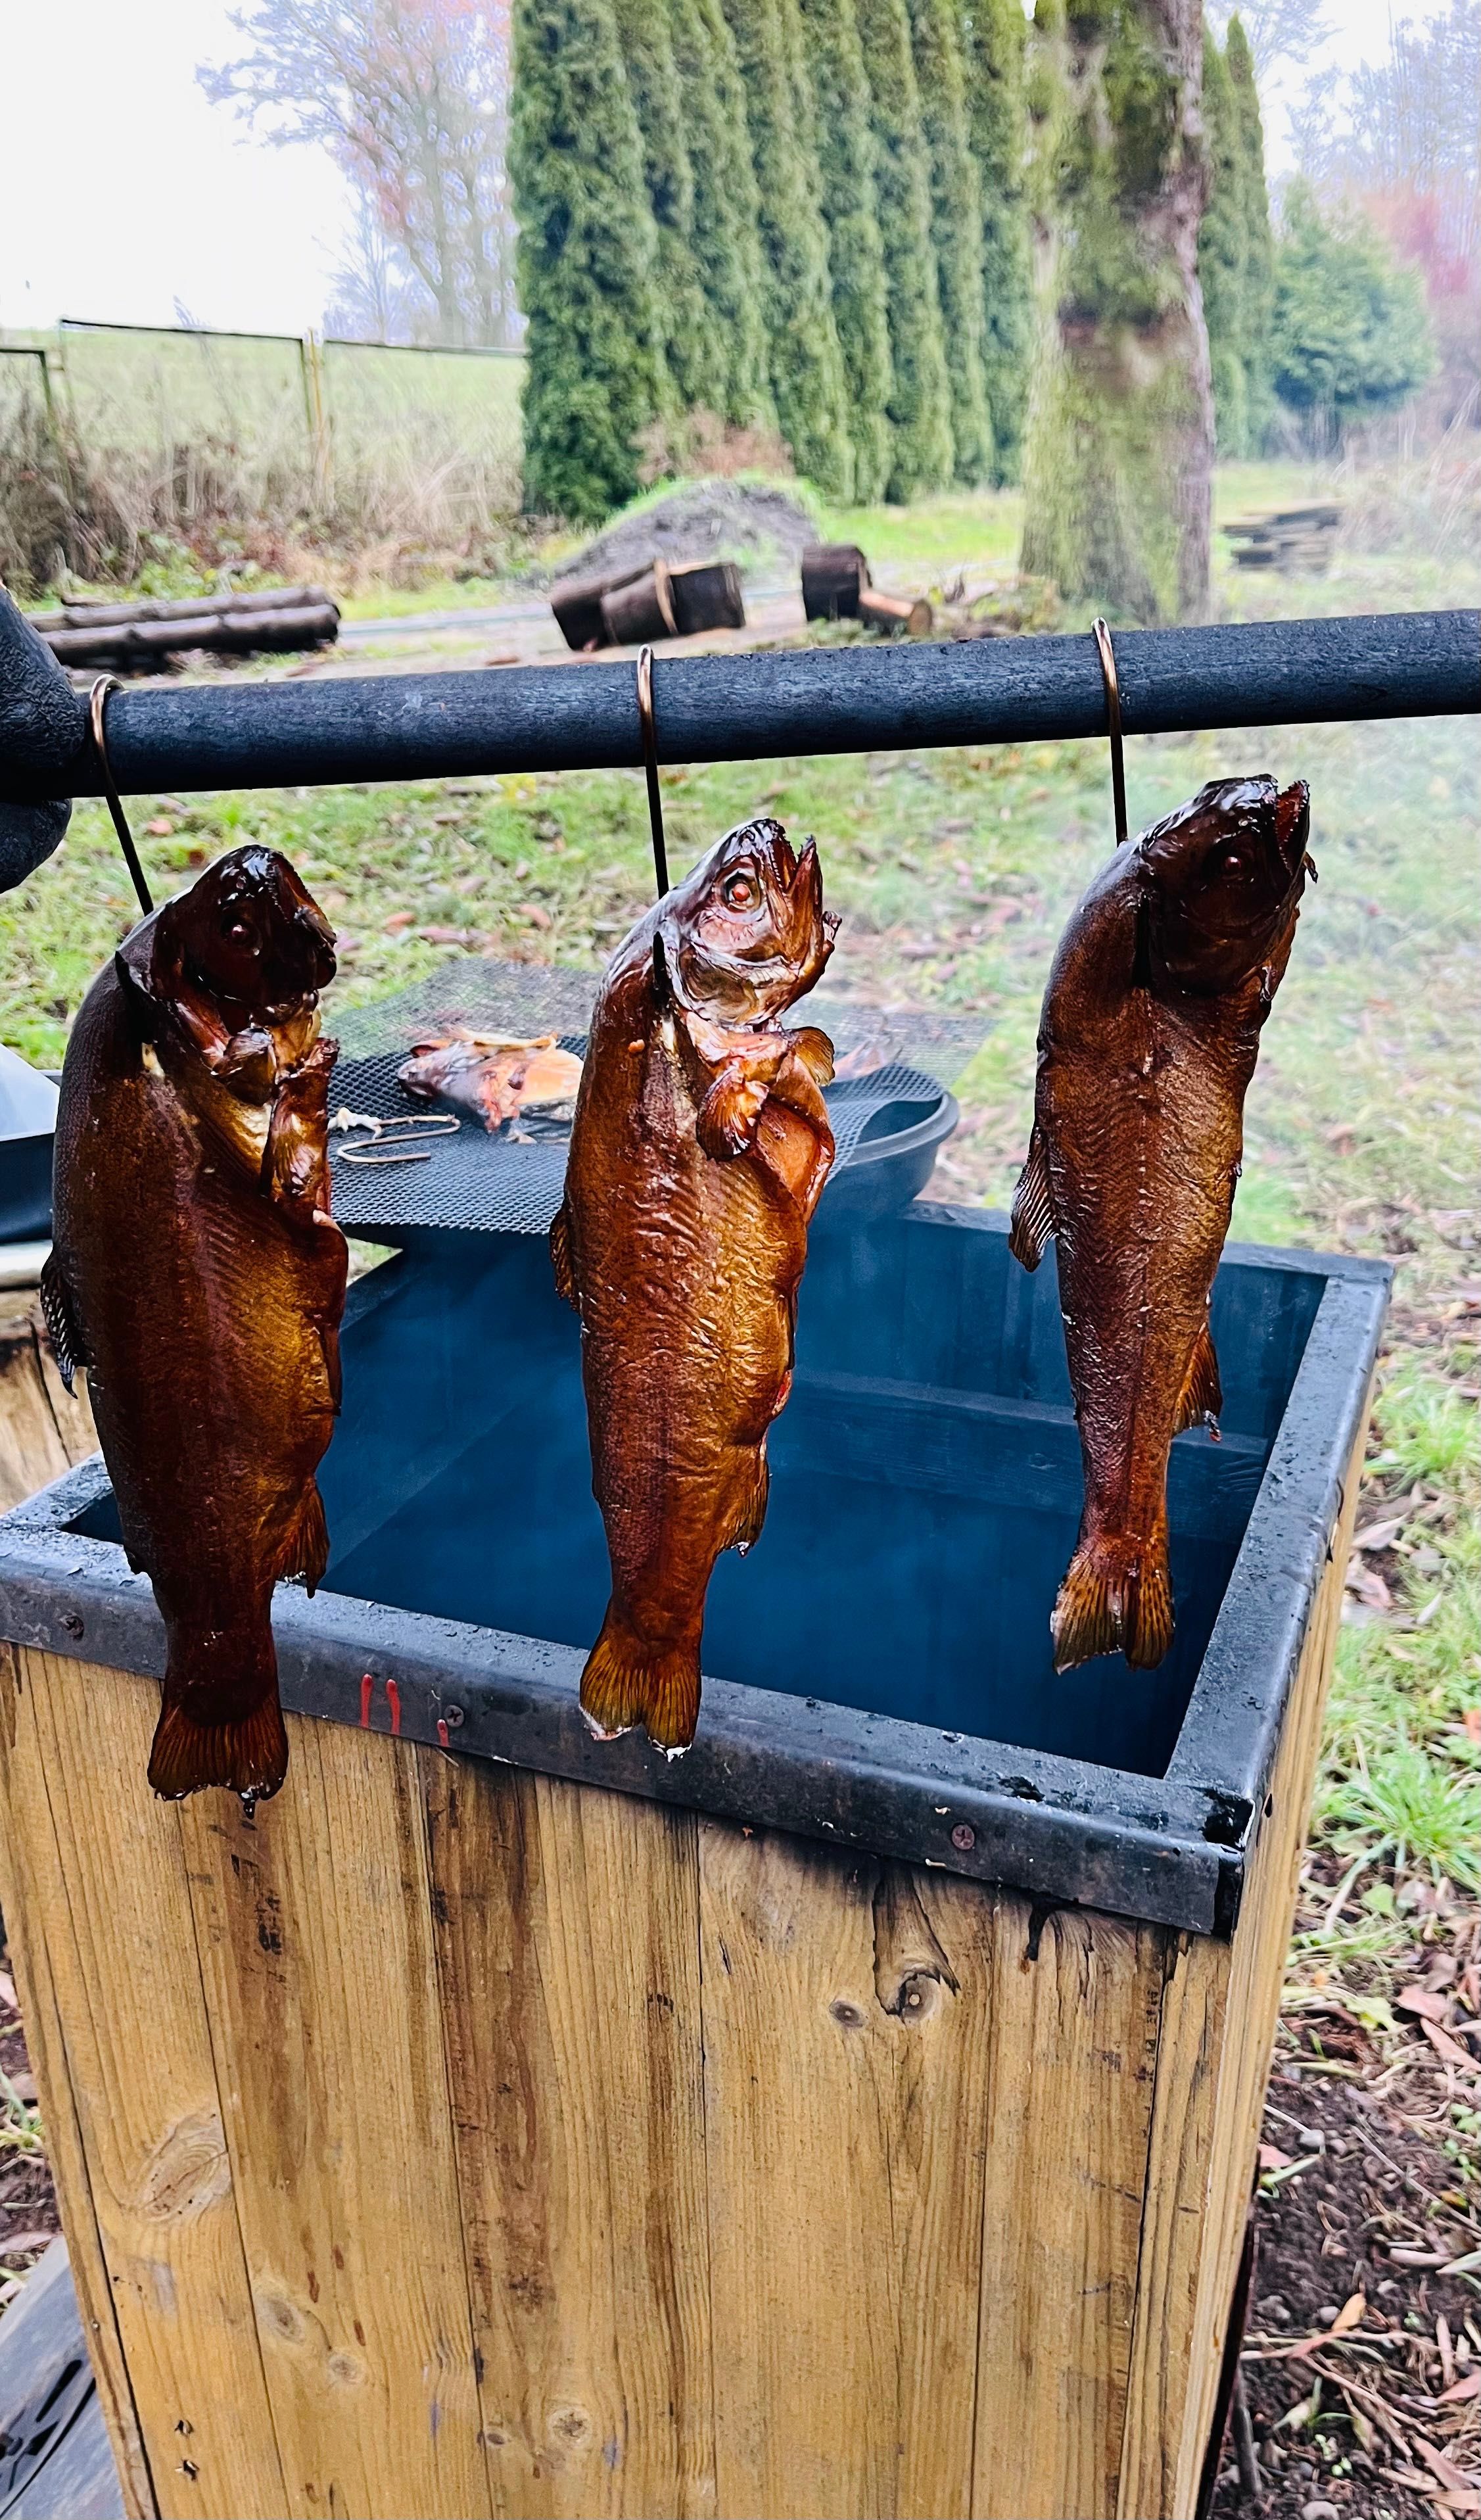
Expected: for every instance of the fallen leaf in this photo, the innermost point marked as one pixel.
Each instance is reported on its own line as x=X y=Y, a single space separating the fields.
x=1368 y=1584
x=1273 y=2158
x=161 y=829
x=1379 y=1534
x=15 y=2246
x=1449 y=2048
x=398 y=919
x=1461 y=2390
x=23 y=2083
x=1422 y=2000
x=1351 y=2315
x=8 y=1991
x=537 y=914
x=1452 y=2477
x=1404 y=2257
x=1472 y=1722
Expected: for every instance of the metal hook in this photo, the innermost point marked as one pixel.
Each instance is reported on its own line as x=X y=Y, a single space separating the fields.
x=1107 y=656
x=650 y=735
x=97 y=707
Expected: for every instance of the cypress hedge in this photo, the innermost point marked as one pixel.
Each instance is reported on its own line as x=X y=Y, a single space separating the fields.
x=846 y=156
x=1259 y=244
x=995 y=35
x=1222 y=254
x=921 y=450
x=692 y=339
x=956 y=226
x=806 y=361
x=596 y=373
x=726 y=232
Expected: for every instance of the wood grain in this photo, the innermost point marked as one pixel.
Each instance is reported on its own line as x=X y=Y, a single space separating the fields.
x=845 y=2017
x=44 y=1431
x=568 y=1951
x=105 y=1897
x=314 y=1924
x=1076 y=1997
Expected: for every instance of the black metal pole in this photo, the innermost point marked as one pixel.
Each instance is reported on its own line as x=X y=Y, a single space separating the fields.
x=713 y=709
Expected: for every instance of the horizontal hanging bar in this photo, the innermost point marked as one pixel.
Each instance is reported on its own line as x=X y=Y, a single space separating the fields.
x=745 y=707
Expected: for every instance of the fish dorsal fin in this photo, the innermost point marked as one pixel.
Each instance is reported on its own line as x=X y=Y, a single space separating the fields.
x=1033 y=1205
x=1202 y=1397
x=61 y=1321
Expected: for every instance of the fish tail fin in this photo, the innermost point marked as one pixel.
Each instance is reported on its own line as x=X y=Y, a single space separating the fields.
x=1117 y=1592
x=306 y=1550
x=249 y=1757
x=627 y=1682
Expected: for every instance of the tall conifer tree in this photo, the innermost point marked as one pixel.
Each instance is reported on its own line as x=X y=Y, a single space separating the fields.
x=691 y=342
x=846 y=156
x=1259 y=244
x=726 y=228
x=995 y=35
x=956 y=226
x=595 y=373
x=920 y=404
x=807 y=364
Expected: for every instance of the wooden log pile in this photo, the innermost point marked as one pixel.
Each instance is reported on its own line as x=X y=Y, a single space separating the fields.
x=638 y=606
x=276 y=619
x=836 y=586
x=1295 y=541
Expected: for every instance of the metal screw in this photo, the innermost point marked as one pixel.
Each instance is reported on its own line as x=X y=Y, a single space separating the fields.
x=964 y=1836
x=452 y=1717
x=72 y=1623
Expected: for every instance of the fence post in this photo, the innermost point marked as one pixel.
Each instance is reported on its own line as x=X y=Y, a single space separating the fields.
x=311 y=360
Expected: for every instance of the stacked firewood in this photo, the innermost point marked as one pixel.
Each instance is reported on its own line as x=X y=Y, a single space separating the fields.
x=276 y=618
x=635 y=607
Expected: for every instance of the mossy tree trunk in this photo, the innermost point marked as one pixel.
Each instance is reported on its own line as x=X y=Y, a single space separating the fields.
x=920 y=399
x=725 y=219
x=806 y=361
x=1118 y=461
x=834 y=58
x=994 y=41
x=937 y=31
x=596 y=375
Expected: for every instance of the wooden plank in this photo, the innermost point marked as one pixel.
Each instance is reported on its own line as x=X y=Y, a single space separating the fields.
x=127 y=2059
x=31 y=1960
x=567 y=1944
x=314 y=1922
x=44 y=1431
x=845 y=2045
x=1219 y=2017
x=1076 y=1998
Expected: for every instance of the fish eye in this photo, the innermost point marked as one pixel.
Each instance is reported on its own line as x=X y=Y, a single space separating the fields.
x=740 y=892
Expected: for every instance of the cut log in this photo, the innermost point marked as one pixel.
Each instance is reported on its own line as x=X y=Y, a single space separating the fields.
x=576 y=602
x=898 y=613
x=639 y=612
x=835 y=576
x=239 y=634
x=707 y=596
x=186 y=607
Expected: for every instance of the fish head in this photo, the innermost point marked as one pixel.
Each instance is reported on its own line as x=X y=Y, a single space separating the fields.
x=746 y=933
x=1224 y=874
x=251 y=935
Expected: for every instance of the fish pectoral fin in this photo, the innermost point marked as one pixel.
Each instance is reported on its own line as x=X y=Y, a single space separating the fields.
x=1033 y=1219
x=815 y=1051
x=61 y=1321
x=753 y=1512
x=726 y=1126
x=560 y=1257
x=1202 y=1396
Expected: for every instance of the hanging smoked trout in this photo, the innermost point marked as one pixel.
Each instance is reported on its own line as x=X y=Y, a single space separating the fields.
x=1146 y=1046
x=198 y=1275
x=698 y=1153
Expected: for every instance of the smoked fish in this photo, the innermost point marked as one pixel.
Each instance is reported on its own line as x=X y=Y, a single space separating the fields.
x=1146 y=1046
x=492 y=1078
x=198 y=1274
x=698 y=1152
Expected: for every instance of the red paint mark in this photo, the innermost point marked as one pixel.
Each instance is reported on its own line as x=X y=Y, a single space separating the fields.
x=442 y=1733
x=367 y=1692
x=394 y=1701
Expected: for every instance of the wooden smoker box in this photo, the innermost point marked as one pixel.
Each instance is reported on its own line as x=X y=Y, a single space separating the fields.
x=855 y=2117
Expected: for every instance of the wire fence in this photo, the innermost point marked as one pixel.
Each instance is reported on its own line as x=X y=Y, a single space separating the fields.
x=111 y=433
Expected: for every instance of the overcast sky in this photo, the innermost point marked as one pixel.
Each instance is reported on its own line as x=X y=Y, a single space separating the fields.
x=122 y=191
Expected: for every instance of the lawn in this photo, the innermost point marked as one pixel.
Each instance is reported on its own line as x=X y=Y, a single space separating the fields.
x=955 y=872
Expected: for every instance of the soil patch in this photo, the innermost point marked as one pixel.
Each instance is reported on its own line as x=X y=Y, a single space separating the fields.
x=749 y=522
x=1362 y=2355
